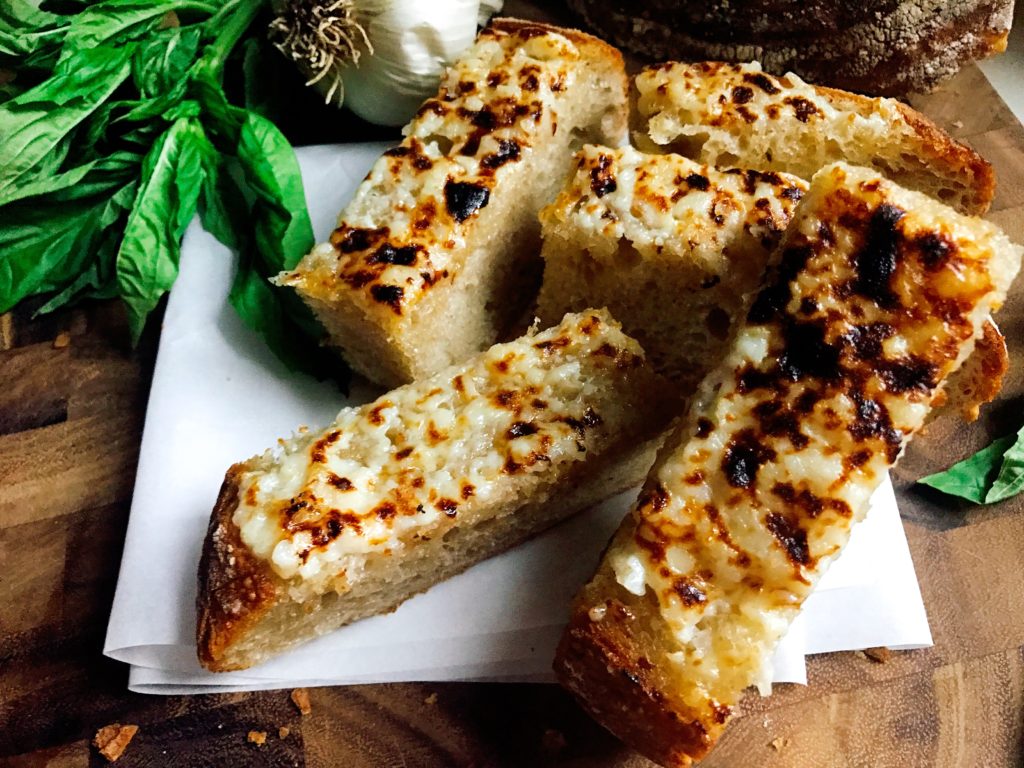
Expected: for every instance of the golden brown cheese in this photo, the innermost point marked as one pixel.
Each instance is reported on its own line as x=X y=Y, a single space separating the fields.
x=876 y=295
x=737 y=115
x=669 y=246
x=447 y=451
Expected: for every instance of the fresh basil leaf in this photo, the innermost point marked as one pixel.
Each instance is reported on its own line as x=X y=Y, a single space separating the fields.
x=99 y=280
x=284 y=233
x=147 y=261
x=27 y=32
x=35 y=122
x=48 y=240
x=161 y=63
x=971 y=478
x=286 y=325
x=117 y=21
x=222 y=206
x=88 y=178
x=1010 y=480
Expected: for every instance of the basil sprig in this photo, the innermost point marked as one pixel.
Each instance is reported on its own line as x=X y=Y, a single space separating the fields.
x=993 y=474
x=124 y=132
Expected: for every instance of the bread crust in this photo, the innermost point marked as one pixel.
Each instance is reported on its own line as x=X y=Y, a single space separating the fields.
x=601 y=664
x=235 y=588
x=876 y=47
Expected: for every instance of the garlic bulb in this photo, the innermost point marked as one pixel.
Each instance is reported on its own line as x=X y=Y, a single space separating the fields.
x=381 y=58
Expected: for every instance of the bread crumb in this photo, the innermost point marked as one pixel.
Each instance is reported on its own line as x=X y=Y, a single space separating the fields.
x=878 y=655
x=300 y=698
x=62 y=340
x=958 y=124
x=112 y=740
x=259 y=738
x=779 y=743
x=553 y=741
x=283 y=731
x=431 y=699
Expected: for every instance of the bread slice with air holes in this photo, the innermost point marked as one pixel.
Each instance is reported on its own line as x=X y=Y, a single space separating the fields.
x=418 y=485
x=436 y=256
x=735 y=115
x=875 y=295
x=671 y=247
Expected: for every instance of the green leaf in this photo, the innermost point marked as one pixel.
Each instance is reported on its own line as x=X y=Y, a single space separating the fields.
x=48 y=239
x=1010 y=480
x=284 y=233
x=971 y=478
x=147 y=261
x=161 y=62
x=120 y=164
x=119 y=21
x=29 y=34
x=99 y=280
x=35 y=122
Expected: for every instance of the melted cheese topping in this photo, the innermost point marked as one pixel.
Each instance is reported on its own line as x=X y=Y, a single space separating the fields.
x=876 y=295
x=735 y=114
x=405 y=231
x=441 y=452
x=661 y=201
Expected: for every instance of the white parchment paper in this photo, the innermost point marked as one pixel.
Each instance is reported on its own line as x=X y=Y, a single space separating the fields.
x=218 y=396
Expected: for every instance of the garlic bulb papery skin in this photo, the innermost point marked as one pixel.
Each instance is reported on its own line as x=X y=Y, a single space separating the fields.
x=412 y=41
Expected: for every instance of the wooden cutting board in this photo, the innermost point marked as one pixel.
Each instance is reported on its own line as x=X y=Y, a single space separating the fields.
x=72 y=399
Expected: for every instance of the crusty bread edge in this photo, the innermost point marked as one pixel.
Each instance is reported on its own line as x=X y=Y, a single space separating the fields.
x=940 y=144
x=607 y=670
x=235 y=588
x=597 y=46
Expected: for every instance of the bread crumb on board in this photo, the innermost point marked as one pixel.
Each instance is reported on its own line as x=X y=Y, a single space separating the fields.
x=259 y=738
x=62 y=340
x=300 y=698
x=779 y=743
x=112 y=740
x=431 y=699
x=879 y=655
x=283 y=731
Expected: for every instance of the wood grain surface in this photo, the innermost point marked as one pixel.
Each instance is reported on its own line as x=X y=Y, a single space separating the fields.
x=72 y=399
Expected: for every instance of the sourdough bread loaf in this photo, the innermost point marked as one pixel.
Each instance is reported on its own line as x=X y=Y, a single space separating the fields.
x=882 y=47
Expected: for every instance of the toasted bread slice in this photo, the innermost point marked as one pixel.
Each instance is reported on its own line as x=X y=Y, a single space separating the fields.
x=875 y=296
x=735 y=115
x=436 y=255
x=429 y=479
x=670 y=247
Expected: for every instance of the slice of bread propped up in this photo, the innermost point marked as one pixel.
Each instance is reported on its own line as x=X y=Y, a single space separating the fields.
x=735 y=115
x=671 y=248
x=875 y=296
x=417 y=486
x=436 y=255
